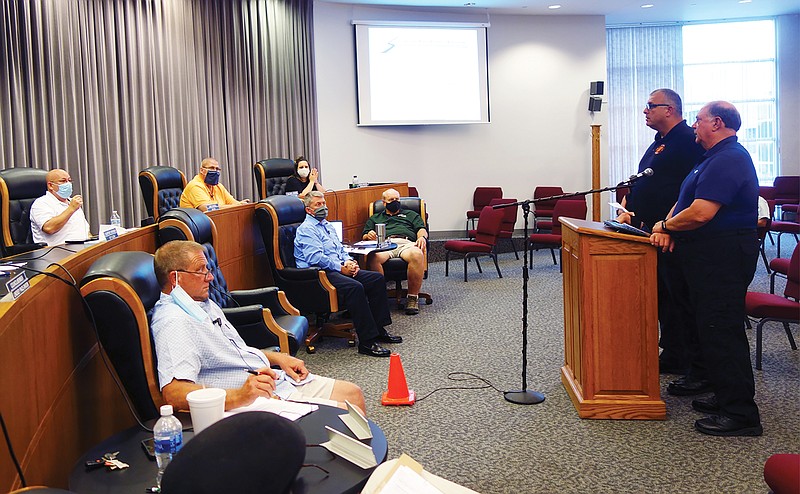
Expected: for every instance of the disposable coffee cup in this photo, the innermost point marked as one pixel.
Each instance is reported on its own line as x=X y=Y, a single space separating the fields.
x=206 y=407
x=380 y=230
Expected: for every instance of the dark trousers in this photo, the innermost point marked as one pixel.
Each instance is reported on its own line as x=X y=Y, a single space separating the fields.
x=673 y=310
x=365 y=297
x=718 y=271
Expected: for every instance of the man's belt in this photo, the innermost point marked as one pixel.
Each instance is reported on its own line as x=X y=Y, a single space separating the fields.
x=399 y=236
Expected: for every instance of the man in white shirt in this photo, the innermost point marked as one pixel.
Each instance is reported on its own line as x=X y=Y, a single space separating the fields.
x=58 y=216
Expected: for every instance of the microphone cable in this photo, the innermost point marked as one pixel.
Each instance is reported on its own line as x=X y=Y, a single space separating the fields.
x=11 y=452
x=223 y=293
x=465 y=377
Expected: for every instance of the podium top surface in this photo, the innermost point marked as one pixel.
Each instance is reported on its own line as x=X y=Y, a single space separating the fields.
x=599 y=229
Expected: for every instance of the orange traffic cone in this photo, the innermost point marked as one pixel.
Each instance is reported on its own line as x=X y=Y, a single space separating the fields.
x=398 y=392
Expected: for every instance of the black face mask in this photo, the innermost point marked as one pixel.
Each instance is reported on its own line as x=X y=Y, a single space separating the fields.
x=212 y=177
x=393 y=207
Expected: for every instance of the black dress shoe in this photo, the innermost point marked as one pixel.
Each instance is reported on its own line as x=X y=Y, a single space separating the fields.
x=717 y=425
x=688 y=387
x=708 y=405
x=374 y=350
x=389 y=338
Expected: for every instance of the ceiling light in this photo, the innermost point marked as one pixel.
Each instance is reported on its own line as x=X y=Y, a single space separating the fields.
x=647 y=6
x=745 y=1
x=553 y=7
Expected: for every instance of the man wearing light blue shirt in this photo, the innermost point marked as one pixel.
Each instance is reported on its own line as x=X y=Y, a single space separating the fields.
x=362 y=292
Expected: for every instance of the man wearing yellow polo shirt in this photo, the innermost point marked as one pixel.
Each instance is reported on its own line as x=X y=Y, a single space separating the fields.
x=204 y=192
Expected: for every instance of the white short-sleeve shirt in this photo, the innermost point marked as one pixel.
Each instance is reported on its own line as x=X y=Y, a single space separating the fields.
x=48 y=206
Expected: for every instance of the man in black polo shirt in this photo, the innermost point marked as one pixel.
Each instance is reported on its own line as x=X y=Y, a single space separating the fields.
x=672 y=155
x=407 y=229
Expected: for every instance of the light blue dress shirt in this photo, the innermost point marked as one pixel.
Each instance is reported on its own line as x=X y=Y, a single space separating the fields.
x=317 y=245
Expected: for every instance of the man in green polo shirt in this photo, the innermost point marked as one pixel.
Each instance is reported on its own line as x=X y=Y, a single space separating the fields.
x=407 y=230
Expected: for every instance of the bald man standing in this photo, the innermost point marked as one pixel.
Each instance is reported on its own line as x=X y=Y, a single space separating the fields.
x=712 y=230
x=58 y=216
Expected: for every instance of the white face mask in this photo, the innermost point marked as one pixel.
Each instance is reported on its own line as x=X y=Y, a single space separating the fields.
x=187 y=303
x=303 y=172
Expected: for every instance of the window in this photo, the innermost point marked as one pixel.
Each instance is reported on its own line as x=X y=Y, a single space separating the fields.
x=713 y=62
x=740 y=70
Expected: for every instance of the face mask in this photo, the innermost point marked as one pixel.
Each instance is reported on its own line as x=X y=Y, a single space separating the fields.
x=65 y=190
x=303 y=172
x=187 y=303
x=321 y=213
x=393 y=207
x=212 y=177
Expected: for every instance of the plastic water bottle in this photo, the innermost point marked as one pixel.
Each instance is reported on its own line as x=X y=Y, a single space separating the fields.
x=167 y=438
x=354 y=185
x=115 y=219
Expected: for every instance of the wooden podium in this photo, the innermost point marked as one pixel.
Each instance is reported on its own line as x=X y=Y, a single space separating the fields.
x=610 y=323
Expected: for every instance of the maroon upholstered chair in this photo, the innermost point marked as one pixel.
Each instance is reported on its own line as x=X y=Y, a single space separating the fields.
x=782 y=473
x=544 y=209
x=769 y=307
x=509 y=221
x=490 y=223
x=786 y=189
x=480 y=199
x=569 y=208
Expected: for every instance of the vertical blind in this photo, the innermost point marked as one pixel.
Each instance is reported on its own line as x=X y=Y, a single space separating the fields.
x=106 y=88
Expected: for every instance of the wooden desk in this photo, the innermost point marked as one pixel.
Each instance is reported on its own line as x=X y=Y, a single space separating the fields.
x=610 y=323
x=351 y=207
x=56 y=396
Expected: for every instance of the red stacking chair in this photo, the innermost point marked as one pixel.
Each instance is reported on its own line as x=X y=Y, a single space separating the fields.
x=490 y=224
x=509 y=221
x=569 y=208
x=480 y=199
x=544 y=209
x=769 y=307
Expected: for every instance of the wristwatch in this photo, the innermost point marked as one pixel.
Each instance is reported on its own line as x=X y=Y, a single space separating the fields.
x=664 y=226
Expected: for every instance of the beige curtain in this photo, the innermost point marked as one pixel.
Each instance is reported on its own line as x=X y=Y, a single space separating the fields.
x=105 y=88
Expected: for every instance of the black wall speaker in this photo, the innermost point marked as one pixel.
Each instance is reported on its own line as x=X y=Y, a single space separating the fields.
x=595 y=102
x=596 y=88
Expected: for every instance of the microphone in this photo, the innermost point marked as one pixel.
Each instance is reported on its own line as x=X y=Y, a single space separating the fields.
x=647 y=172
x=223 y=293
x=218 y=322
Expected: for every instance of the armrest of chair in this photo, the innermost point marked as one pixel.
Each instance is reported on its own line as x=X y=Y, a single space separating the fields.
x=300 y=274
x=21 y=248
x=257 y=327
x=267 y=297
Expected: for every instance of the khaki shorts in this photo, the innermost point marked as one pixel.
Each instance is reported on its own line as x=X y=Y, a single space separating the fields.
x=403 y=244
x=317 y=391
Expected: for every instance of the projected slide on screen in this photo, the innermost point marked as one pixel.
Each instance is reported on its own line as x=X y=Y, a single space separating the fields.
x=413 y=75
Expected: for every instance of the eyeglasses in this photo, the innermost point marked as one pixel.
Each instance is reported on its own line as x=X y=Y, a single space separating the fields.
x=62 y=181
x=653 y=106
x=211 y=168
x=204 y=274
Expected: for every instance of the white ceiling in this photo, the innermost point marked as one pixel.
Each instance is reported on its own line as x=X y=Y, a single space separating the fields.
x=616 y=11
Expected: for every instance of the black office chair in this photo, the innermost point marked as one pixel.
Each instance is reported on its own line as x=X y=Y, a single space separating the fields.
x=121 y=288
x=271 y=176
x=19 y=187
x=396 y=269
x=308 y=289
x=247 y=453
x=262 y=316
x=162 y=187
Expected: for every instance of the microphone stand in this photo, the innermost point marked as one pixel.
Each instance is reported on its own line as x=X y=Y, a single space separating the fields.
x=525 y=396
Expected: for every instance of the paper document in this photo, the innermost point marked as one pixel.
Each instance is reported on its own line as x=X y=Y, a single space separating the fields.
x=407 y=481
x=287 y=409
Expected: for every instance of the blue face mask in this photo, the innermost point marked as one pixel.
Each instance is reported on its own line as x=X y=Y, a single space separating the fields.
x=212 y=177
x=65 y=190
x=187 y=303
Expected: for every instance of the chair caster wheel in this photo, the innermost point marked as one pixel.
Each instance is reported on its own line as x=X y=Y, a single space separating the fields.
x=351 y=342
x=311 y=349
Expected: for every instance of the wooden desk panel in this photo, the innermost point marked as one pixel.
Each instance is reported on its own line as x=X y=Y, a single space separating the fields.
x=56 y=396
x=351 y=207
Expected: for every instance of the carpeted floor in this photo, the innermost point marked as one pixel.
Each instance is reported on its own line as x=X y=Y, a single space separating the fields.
x=477 y=439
